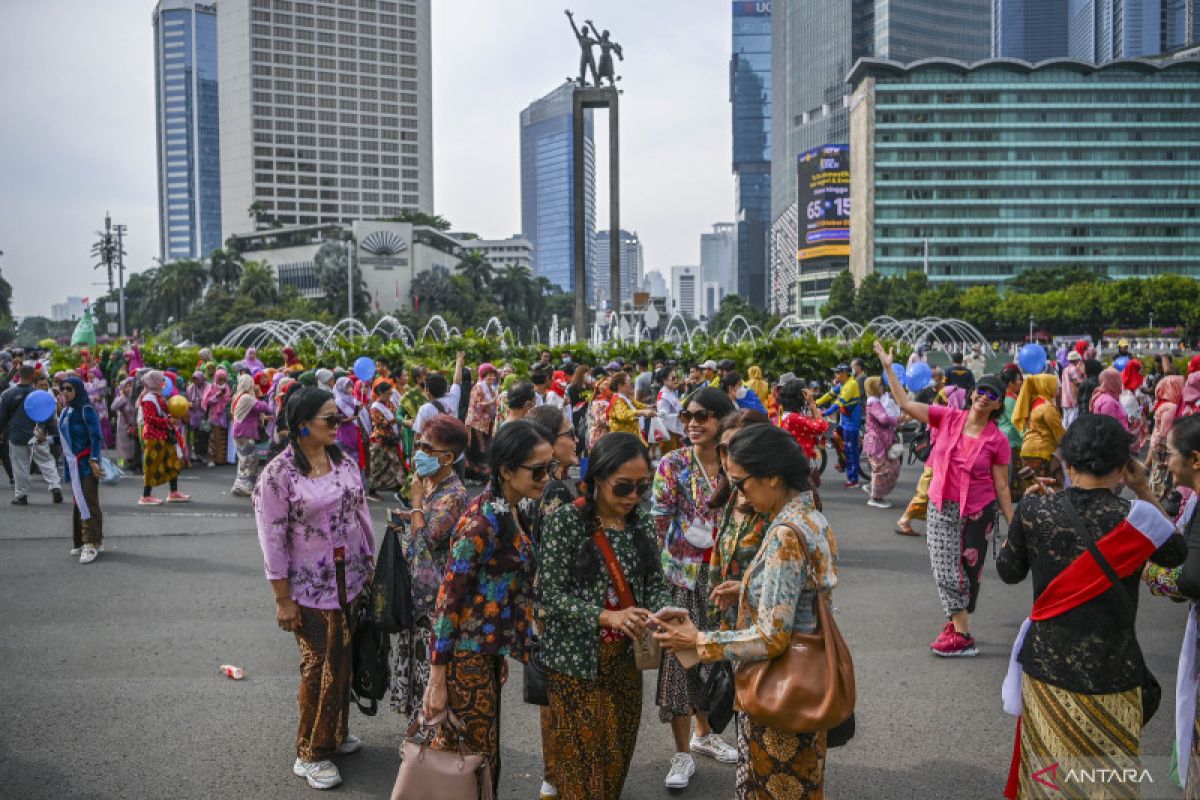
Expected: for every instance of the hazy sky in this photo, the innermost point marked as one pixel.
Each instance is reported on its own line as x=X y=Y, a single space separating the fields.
x=77 y=125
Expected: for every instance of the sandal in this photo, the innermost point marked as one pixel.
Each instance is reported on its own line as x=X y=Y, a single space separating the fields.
x=904 y=529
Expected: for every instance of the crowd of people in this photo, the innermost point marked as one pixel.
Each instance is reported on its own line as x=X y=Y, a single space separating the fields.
x=646 y=514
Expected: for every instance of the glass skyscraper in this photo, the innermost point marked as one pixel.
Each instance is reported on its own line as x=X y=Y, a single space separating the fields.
x=750 y=95
x=982 y=172
x=813 y=47
x=1103 y=30
x=189 y=160
x=631 y=257
x=1030 y=30
x=546 y=189
x=1180 y=24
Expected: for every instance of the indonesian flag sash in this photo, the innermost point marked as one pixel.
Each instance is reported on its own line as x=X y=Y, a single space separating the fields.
x=1126 y=548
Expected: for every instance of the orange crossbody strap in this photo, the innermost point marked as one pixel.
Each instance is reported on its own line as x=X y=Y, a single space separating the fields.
x=624 y=593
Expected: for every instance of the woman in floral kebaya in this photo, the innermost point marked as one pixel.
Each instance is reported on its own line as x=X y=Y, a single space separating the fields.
x=315 y=534
x=484 y=608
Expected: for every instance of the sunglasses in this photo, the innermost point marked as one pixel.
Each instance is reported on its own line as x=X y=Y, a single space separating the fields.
x=539 y=472
x=699 y=417
x=568 y=434
x=987 y=394
x=332 y=420
x=626 y=488
x=738 y=483
x=428 y=449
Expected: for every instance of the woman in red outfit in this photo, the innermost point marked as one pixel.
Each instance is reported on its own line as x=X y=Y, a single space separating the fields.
x=161 y=459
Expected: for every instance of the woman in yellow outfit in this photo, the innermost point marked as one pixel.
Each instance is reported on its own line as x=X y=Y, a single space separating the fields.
x=1038 y=419
x=625 y=414
x=755 y=383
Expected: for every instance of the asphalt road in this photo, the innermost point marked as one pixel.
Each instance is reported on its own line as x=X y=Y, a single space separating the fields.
x=112 y=688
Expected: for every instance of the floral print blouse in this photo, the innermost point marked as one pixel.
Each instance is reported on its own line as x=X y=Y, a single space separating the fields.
x=681 y=494
x=300 y=522
x=737 y=545
x=381 y=426
x=427 y=547
x=485 y=603
x=570 y=610
x=481 y=410
x=778 y=593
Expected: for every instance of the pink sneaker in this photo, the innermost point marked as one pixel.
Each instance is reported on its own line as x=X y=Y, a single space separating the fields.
x=178 y=497
x=957 y=645
x=150 y=500
x=942 y=637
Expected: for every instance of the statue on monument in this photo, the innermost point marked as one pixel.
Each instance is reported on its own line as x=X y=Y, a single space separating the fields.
x=607 y=48
x=586 y=43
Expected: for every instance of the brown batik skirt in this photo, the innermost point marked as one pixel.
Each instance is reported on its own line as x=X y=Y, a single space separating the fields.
x=325 y=671
x=596 y=725
x=777 y=765
x=473 y=689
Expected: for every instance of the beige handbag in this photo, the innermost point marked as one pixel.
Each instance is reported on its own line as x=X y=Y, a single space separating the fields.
x=428 y=774
x=647 y=652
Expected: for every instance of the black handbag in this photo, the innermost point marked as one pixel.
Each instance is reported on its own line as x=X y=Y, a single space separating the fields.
x=1151 y=688
x=392 y=602
x=717 y=695
x=921 y=446
x=534 y=688
x=370 y=648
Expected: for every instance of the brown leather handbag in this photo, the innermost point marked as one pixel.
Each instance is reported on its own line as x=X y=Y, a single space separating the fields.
x=428 y=774
x=810 y=686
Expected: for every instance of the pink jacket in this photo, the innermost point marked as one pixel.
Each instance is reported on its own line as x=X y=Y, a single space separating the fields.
x=962 y=468
x=1105 y=403
x=881 y=430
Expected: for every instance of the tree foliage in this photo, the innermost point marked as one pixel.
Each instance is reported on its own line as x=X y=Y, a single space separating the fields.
x=330 y=264
x=1081 y=302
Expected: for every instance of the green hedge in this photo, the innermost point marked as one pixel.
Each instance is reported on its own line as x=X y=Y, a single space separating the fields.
x=805 y=356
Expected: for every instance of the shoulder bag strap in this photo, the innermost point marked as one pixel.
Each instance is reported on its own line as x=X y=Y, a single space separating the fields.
x=624 y=592
x=808 y=561
x=1081 y=532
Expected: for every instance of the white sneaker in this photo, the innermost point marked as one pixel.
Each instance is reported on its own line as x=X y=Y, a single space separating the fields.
x=715 y=747
x=87 y=554
x=682 y=770
x=866 y=487
x=351 y=744
x=548 y=791
x=873 y=503
x=75 y=550
x=319 y=774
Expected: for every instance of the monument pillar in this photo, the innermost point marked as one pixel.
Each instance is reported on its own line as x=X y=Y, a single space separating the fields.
x=591 y=97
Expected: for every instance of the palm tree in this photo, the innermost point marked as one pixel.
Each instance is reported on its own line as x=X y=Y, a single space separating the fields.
x=258 y=283
x=512 y=287
x=224 y=268
x=477 y=269
x=431 y=289
x=177 y=286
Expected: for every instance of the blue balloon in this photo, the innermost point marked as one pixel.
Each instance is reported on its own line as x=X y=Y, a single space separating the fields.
x=1120 y=363
x=900 y=373
x=40 y=405
x=364 y=368
x=168 y=388
x=919 y=376
x=1032 y=359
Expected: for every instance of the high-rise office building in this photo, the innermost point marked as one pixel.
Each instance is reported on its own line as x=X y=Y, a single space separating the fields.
x=685 y=291
x=718 y=250
x=1180 y=24
x=188 y=129
x=1100 y=31
x=1030 y=30
x=655 y=283
x=326 y=111
x=632 y=265
x=813 y=47
x=750 y=96
x=547 y=188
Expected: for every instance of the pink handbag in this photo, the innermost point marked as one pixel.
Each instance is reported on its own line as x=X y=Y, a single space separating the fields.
x=428 y=774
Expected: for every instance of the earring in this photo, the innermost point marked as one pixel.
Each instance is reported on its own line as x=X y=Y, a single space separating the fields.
x=304 y=431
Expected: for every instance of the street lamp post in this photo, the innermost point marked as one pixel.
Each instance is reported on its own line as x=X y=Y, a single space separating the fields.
x=1031 y=327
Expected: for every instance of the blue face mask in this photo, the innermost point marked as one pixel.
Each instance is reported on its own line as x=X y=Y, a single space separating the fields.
x=425 y=464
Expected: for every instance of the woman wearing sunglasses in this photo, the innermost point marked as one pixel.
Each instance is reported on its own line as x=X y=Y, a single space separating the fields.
x=776 y=599
x=438 y=500
x=484 y=608
x=311 y=510
x=595 y=690
x=969 y=461
x=684 y=485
